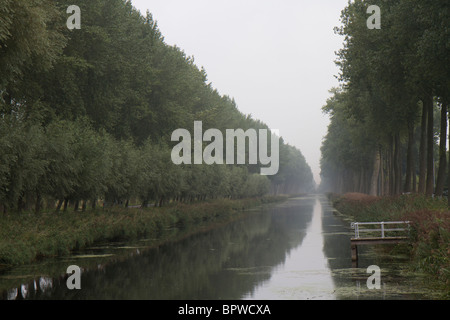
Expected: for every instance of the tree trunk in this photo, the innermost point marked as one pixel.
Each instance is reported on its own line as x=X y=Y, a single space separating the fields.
x=37 y=207
x=410 y=159
x=382 y=185
x=391 y=174
x=413 y=167
x=59 y=205
x=430 y=146
x=375 y=175
x=397 y=165
x=361 y=180
x=20 y=204
x=423 y=150
x=442 y=153
x=445 y=102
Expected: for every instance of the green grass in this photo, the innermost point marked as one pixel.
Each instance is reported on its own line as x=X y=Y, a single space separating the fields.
x=24 y=238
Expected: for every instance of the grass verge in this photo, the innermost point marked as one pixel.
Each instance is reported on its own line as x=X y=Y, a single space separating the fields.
x=25 y=238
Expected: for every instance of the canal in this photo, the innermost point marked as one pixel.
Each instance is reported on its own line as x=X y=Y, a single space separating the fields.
x=296 y=250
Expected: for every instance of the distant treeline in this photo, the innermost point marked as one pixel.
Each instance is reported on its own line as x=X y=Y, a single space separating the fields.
x=388 y=131
x=88 y=114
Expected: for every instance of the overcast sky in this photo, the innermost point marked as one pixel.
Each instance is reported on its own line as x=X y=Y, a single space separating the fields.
x=275 y=58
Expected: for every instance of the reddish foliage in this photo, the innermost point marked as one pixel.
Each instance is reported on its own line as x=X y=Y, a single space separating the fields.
x=359 y=197
x=428 y=222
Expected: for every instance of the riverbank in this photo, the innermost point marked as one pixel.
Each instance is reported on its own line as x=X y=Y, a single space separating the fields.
x=429 y=245
x=25 y=238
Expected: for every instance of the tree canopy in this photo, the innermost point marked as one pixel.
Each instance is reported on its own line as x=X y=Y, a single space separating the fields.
x=87 y=114
x=391 y=108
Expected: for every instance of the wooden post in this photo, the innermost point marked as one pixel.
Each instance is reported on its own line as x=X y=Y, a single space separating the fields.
x=354 y=252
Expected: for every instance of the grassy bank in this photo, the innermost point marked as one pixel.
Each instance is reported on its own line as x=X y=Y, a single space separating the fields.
x=25 y=238
x=429 y=245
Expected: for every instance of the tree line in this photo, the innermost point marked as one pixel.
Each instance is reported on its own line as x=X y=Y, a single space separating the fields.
x=388 y=130
x=88 y=114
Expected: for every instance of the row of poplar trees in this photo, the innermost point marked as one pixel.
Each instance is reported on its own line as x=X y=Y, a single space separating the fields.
x=388 y=130
x=87 y=114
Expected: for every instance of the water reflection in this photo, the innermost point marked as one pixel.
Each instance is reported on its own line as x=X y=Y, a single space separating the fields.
x=297 y=250
x=305 y=273
x=40 y=286
x=225 y=263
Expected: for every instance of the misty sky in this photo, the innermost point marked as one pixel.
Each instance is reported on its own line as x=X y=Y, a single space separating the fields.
x=275 y=58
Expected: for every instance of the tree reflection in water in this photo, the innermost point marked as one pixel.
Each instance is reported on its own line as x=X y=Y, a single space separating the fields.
x=297 y=250
x=224 y=263
x=305 y=273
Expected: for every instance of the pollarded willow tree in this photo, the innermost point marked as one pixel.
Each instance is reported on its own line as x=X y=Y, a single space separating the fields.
x=392 y=83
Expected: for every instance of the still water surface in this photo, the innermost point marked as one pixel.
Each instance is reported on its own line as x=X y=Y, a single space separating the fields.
x=299 y=249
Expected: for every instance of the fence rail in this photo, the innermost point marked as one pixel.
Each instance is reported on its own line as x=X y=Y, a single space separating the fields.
x=383 y=229
x=372 y=240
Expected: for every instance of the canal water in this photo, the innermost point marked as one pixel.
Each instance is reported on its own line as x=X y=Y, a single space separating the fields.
x=297 y=250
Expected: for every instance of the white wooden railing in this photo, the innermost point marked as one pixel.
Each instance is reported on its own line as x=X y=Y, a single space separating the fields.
x=383 y=229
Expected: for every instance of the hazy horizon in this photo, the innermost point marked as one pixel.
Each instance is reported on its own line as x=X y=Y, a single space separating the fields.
x=276 y=59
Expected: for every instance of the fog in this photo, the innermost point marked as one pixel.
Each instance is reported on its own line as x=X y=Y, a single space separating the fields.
x=275 y=58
